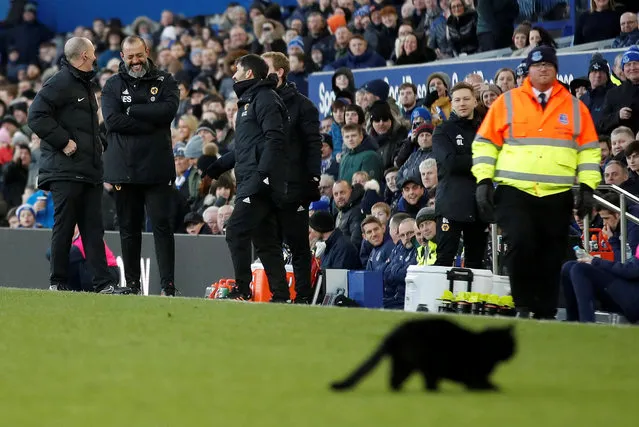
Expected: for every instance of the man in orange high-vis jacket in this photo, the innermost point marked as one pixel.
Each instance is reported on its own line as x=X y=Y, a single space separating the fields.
x=533 y=142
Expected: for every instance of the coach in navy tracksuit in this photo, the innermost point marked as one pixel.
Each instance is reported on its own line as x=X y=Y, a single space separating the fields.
x=614 y=284
x=403 y=255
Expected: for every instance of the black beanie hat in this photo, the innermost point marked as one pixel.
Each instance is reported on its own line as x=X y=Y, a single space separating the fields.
x=322 y=222
x=380 y=110
x=542 y=54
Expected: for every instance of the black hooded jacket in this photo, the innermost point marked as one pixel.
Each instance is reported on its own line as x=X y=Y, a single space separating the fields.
x=138 y=113
x=452 y=148
x=260 y=156
x=65 y=108
x=350 y=217
x=304 y=146
x=351 y=80
x=625 y=95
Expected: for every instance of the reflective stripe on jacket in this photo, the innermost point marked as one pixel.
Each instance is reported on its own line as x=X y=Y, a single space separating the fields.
x=430 y=258
x=537 y=150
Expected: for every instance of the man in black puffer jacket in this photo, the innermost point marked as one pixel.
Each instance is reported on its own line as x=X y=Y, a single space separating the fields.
x=304 y=155
x=455 y=205
x=260 y=161
x=64 y=116
x=139 y=104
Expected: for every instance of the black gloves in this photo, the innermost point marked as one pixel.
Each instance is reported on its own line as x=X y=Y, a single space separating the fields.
x=585 y=201
x=312 y=189
x=485 y=203
x=431 y=98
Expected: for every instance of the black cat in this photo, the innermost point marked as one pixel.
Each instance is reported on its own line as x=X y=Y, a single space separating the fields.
x=439 y=349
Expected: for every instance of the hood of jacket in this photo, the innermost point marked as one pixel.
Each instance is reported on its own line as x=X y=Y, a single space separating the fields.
x=349 y=74
x=287 y=91
x=355 y=199
x=247 y=88
x=368 y=144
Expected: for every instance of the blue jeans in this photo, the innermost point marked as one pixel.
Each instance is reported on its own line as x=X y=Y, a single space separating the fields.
x=585 y=284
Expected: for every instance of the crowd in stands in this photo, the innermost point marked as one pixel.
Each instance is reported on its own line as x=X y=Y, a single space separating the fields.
x=380 y=177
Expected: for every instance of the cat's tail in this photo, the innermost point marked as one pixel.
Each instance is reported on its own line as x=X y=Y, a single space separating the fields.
x=362 y=371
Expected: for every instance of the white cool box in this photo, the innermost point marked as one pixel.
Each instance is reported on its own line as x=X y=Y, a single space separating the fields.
x=425 y=285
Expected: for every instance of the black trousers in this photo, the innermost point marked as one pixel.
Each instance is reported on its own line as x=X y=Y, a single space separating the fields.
x=535 y=230
x=448 y=235
x=254 y=219
x=130 y=201
x=293 y=222
x=78 y=203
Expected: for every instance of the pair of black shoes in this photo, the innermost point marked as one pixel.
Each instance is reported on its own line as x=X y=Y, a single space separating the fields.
x=106 y=289
x=131 y=289
x=135 y=289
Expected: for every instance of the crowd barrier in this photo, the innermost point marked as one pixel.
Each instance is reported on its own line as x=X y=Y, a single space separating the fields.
x=199 y=260
x=571 y=65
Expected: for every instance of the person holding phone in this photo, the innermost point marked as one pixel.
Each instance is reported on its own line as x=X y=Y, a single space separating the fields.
x=437 y=100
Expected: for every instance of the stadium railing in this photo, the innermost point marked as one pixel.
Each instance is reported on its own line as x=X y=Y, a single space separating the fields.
x=624 y=196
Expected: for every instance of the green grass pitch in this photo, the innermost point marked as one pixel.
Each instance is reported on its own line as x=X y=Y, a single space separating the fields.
x=101 y=360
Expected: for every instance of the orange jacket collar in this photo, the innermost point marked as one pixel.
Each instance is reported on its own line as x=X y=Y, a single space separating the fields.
x=527 y=88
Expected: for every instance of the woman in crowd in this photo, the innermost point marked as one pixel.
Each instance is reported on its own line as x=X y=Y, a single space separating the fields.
x=462 y=28
x=506 y=79
x=601 y=22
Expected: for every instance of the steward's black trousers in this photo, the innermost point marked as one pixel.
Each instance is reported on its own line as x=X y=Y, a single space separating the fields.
x=254 y=219
x=78 y=203
x=448 y=235
x=293 y=223
x=535 y=230
x=130 y=201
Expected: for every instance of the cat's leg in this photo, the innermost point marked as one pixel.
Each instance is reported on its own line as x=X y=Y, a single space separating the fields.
x=431 y=381
x=399 y=373
x=481 y=384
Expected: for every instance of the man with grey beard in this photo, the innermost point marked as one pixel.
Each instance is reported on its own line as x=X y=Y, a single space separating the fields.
x=139 y=104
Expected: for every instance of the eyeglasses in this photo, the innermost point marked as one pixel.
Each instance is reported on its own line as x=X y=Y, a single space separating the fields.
x=542 y=65
x=456 y=6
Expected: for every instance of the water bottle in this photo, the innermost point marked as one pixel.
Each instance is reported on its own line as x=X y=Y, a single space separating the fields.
x=593 y=244
x=580 y=253
x=628 y=252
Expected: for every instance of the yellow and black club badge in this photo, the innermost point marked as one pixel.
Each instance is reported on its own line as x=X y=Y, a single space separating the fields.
x=445 y=227
x=154 y=90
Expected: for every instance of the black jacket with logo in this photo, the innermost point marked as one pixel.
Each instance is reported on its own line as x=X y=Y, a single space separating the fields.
x=625 y=95
x=260 y=139
x=138 y=113
x=304 y=147
x=65 y=108
x=452 y=148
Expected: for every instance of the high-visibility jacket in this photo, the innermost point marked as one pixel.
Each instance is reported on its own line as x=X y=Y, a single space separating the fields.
x=615 y=80
x=537 y=150
x=427 y=258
